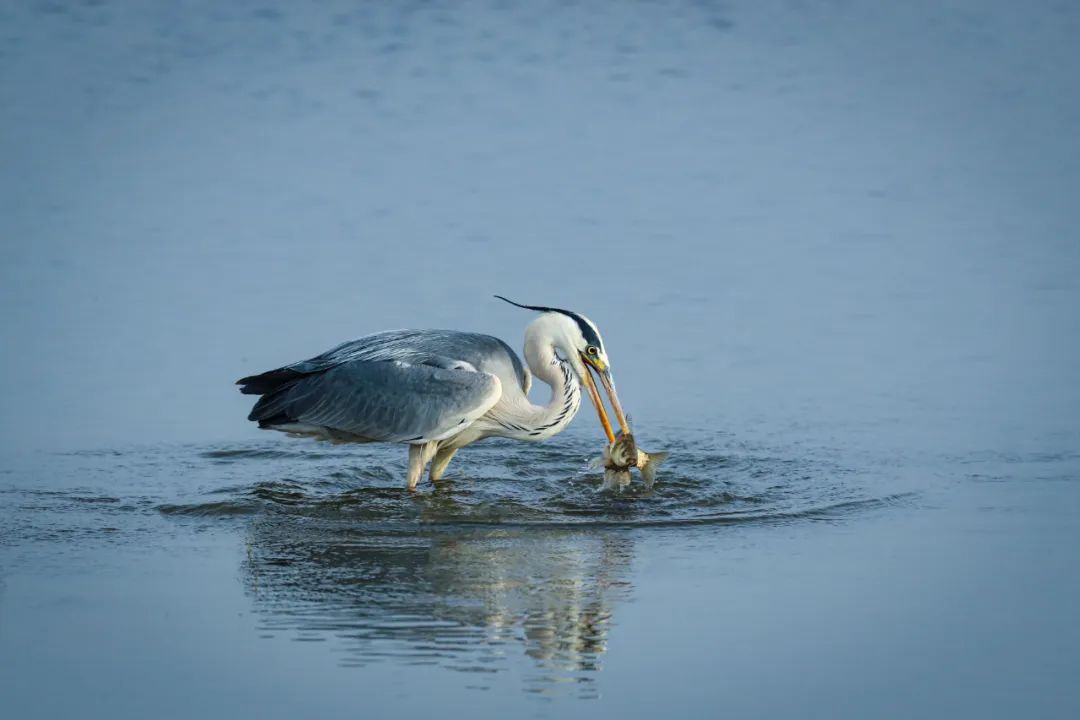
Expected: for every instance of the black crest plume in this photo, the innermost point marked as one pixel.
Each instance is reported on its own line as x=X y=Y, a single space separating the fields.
x=538 y=308
x=588 y=330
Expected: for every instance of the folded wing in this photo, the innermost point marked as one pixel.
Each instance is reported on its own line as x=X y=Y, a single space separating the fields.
x=380 y=401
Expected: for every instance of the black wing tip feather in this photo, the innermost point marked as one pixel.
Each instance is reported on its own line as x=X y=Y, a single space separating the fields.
x=271 y=409
x=269 y=422
x=267 y=382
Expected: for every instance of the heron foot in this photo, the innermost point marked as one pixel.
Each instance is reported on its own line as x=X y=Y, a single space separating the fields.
x=419 y=455
x=438 y=465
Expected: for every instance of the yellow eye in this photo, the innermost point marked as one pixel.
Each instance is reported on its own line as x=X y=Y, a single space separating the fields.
x=591 y=350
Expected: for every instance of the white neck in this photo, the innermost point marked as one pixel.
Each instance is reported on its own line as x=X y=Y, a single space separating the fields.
x=519 y=418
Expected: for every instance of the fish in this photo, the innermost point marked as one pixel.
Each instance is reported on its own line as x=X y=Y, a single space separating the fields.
x=623 y=454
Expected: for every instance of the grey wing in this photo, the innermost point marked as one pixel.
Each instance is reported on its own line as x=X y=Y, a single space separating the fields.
x=380 y=401
x=438 y=348
x=432 y=347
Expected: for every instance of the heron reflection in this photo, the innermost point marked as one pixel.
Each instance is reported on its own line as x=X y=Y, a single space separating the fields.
x=463 y=598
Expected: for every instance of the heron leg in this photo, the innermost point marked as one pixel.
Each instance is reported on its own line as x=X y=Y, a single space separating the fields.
x=442 y=459
x=418 y=459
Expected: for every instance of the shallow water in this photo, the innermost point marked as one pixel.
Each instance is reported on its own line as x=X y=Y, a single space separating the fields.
x=751 y=577
x=832 y=250
x=521 y=553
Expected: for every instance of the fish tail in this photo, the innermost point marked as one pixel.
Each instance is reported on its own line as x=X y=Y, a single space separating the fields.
x=648 y=468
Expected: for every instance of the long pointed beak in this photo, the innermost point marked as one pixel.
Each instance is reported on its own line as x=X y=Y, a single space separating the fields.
x=609 y=387
x=598 y=403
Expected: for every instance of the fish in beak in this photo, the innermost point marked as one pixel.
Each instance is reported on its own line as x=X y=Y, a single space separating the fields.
x=619 y=457
x=622 y=453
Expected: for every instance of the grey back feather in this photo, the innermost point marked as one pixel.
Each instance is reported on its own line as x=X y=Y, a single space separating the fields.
x=401 y=385
x=440 y=348
x=380 y=401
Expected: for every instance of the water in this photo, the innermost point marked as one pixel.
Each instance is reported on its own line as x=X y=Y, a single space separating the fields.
x=287 y=575
x=831 y=247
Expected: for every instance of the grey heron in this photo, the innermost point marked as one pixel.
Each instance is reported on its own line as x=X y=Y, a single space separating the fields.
x=440 y=390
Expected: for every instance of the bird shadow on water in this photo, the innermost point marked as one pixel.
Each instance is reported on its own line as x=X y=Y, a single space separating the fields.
x=517 y=553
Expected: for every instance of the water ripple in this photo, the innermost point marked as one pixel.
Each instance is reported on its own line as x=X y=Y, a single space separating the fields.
x=506 y=483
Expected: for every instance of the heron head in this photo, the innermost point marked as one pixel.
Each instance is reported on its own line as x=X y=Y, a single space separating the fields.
x=578 y=339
